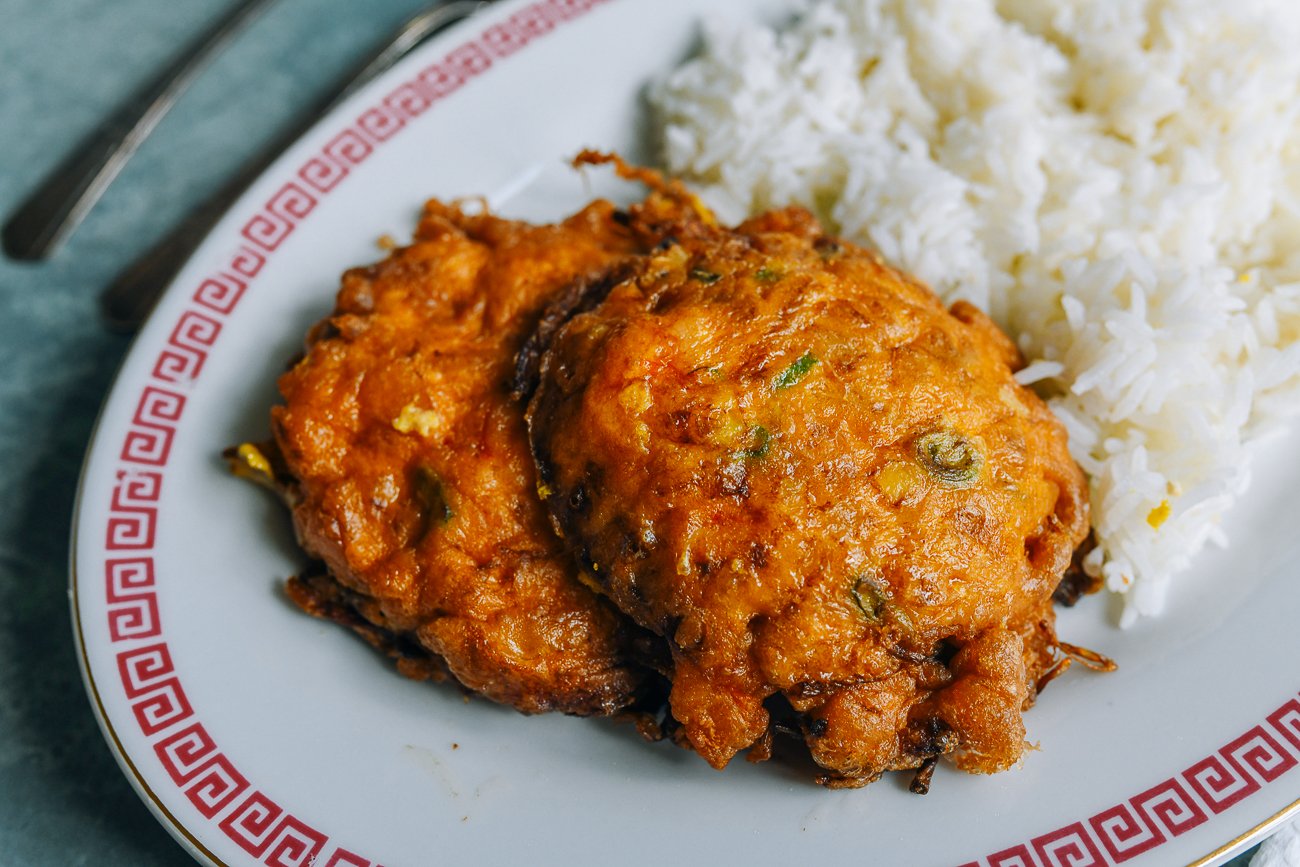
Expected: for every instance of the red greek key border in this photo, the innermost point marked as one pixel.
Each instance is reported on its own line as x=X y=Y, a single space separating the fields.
x=1172 y=807
x=268 y=831
x=250 y=817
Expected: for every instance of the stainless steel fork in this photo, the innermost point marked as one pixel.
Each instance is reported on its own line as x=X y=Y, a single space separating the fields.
x=55 y=208
x=128 y=299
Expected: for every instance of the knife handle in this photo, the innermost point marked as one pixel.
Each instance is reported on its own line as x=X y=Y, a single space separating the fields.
x=127 y=301
x=57 y=206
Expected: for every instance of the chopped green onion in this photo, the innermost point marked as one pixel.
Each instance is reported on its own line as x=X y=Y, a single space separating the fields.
x=429 y=494
x=870 y=598
x=704 y=276
x=760 y=443
x=796 y=371
x=950 y=458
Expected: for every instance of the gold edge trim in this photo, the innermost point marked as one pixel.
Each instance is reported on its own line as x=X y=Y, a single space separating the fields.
x=166 y=818
x=142 y=788
x=174 y=826
x=1262 y=828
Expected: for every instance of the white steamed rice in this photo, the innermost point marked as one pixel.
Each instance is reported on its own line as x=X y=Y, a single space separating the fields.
x=1117 y=183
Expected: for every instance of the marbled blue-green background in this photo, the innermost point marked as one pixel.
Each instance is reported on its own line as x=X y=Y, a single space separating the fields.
x=64 y=65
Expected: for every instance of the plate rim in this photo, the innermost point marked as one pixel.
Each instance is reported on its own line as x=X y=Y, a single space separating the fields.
x=452 y=35
x=1250 y=836
x=451 y=32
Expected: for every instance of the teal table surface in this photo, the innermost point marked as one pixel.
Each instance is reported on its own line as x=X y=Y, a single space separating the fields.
x=65 y=64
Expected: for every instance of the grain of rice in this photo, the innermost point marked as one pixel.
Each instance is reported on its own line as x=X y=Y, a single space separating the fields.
x=1118 y=184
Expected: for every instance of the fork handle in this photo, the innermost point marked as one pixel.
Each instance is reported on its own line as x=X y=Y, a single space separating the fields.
x=59 y=204
x=128 y=300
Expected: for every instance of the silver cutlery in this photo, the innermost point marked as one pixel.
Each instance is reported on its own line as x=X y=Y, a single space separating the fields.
x=55 y=208
x=129 y=298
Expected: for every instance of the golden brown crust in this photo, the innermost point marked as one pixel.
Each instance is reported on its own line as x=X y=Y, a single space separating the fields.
x=321 y=596
x=797 y=485
x=791 y=462
x=410 y=472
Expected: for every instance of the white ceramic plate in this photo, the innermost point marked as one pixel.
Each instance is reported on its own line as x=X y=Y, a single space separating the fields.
x=260 y=735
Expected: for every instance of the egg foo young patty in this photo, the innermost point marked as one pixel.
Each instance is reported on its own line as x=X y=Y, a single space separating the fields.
x=406 y=464
x=816 y=483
